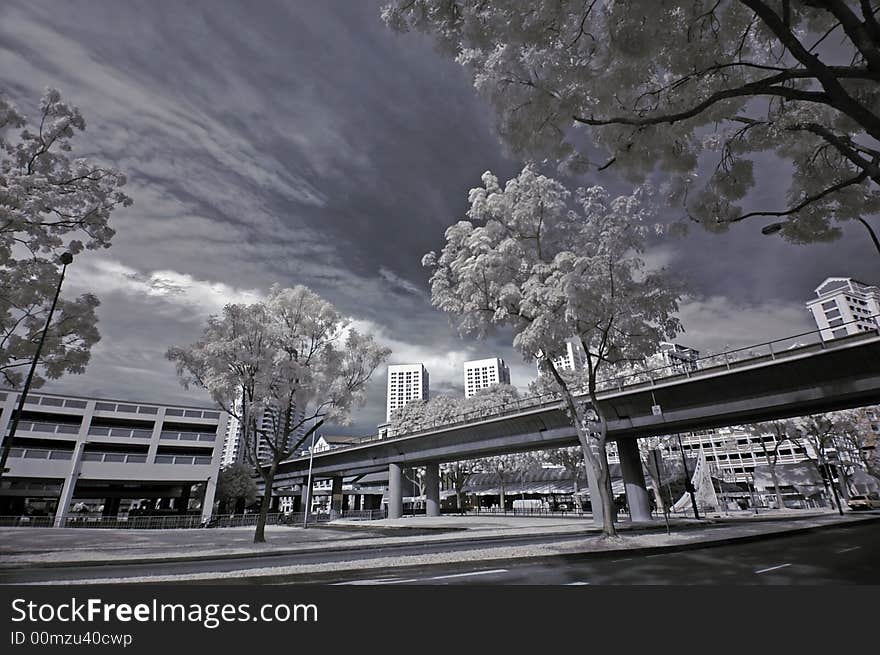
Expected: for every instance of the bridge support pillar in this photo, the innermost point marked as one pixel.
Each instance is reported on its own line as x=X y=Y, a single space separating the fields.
x=634 y=479
x=432 y=489
x=336 y=494
x=395 y=491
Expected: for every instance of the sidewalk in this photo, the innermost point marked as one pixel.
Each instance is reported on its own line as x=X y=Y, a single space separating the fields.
x=29 y=547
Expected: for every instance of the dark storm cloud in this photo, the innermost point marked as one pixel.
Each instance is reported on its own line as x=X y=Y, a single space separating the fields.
x=303 y=142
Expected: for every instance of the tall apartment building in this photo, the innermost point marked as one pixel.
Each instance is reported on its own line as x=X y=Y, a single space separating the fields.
x=844 y=306
x=406 y=382
x=482 y=373
x=68 y=449
x=233 y=443
x=572 y=359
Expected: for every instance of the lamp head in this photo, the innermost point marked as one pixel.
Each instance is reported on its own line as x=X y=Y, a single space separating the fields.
x=773 y=228
x=66 y=258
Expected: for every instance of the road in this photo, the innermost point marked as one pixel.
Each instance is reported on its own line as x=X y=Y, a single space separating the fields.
x=86 y=573
x=839 y=555
x=846 y=555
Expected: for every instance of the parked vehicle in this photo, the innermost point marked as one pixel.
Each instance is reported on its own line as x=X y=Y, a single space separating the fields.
x=864 y=501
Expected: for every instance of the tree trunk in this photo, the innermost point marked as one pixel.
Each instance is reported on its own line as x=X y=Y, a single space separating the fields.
x=779 y=502
x=459 y=503
x=590 y=461
x=260 y=532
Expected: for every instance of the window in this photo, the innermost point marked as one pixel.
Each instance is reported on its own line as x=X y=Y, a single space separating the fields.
x=839 y=333
x=829 y=305
x=836 y=322
x=834 y=313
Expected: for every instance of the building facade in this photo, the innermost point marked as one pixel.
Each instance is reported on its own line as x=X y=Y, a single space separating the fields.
x=70 y=451
x=482 y=373
x=406 y=382
x=844 y=306
x=233 y=442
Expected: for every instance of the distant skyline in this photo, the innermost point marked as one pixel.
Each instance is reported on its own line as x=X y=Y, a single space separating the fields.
x=306 y=143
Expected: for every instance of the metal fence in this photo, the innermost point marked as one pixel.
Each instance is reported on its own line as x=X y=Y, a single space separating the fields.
x=187 y=521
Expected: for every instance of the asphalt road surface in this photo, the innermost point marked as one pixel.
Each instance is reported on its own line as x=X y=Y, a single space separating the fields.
x=846 y=555
x=839 y=555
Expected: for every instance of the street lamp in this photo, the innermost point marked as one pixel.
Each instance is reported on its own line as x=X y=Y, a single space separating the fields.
x=66 y=258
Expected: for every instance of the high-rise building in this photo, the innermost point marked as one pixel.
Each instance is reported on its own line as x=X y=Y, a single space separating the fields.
x=406 y=382
x=233 y=443
x=482 y=373
x=844 y=306
x=572 y=359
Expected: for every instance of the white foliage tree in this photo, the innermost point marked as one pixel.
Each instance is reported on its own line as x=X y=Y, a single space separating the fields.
x=700 y=90
x=293 y=356
x=50 y=202
x=553 y=267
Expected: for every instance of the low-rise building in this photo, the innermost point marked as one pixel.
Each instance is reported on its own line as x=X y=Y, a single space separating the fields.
x=91 y=453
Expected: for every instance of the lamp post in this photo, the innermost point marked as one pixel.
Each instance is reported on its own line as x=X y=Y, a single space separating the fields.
x=66 y=258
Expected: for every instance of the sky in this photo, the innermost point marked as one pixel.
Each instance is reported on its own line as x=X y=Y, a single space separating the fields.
x=306 y=143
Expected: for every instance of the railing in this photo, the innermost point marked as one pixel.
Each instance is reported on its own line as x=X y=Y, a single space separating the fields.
x=40 y=453
x=120 y=458
x=26 y=521
x=50 y=428
x=646 y=378
x=190 y=460
x=187 y=436
x=192 y=413
x=122 y=433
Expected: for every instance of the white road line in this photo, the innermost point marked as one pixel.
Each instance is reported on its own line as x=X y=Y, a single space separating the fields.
x=462 y=575
x=576 y=584
x=846 y=550
x=378 y=581
x=773 y=568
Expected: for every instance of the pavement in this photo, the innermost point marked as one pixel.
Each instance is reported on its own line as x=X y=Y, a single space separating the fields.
x=48 y=548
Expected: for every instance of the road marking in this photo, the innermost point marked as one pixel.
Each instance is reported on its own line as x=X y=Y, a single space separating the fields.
x=462 y=575
x=576 y=584
x=773 y=568
x=627 y=559
x=846 y=550
x=378 y=581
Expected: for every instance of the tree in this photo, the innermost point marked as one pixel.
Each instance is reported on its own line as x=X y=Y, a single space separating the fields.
x=570 y=459
x=816 y=433
x=456 y=475
x=506 y=468
x=699 y=89
x=236 y=483
x=419 y=415
x=652 y=463
x=50 y=202
x=278 y=366
x=551 y=269
x=781 y=431
x=859 y=431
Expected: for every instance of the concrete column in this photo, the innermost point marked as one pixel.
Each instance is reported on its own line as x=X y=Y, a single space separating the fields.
x=208 y=499
x=432 y=489
x=111 y=507
x=336 y=494
x=181 y=503
x=634 y=478
x=395 y=491
x=68 y=486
